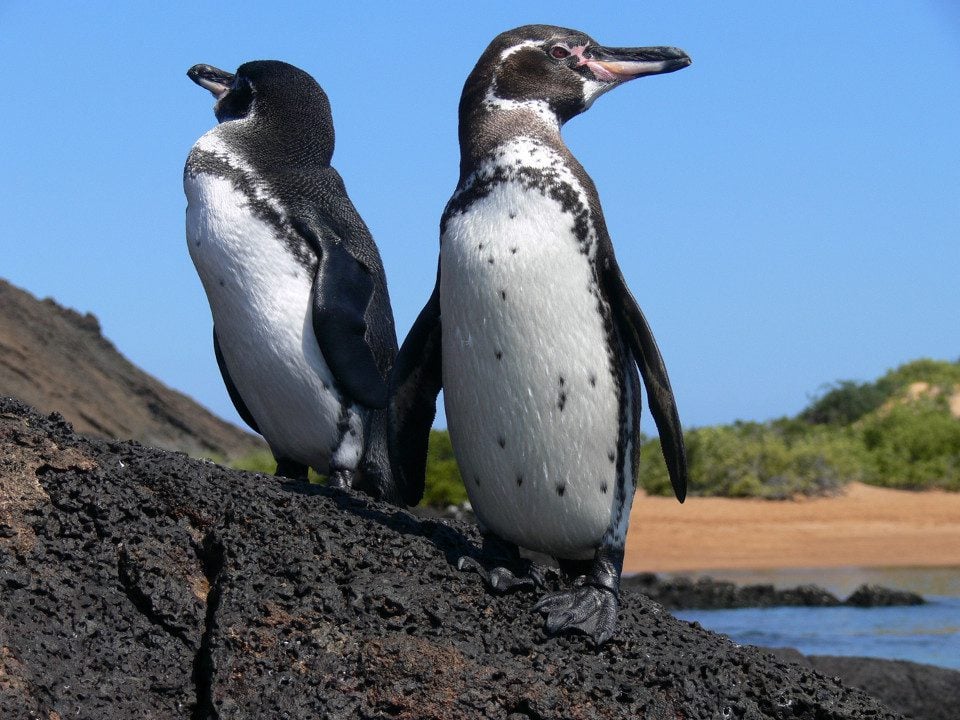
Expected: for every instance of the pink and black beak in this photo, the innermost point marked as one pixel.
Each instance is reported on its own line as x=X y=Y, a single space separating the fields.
x=618 y=65
x=215 y=80
x=603 y=68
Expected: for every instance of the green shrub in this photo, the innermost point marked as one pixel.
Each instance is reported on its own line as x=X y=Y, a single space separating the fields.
x=845 y=402
x=938 y=373
x=260 y=462
x=264 y=462
x=443 y=485
x=769 y=460
x=913 y=445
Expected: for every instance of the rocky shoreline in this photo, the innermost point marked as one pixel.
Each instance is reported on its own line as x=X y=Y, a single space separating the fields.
x=685 y=593
x=918 y=691
x=139 y=582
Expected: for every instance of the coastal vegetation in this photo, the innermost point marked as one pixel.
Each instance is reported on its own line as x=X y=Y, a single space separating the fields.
x=900 y=431
x=443 y=485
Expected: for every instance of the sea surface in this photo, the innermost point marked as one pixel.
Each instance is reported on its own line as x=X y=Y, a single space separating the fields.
x=922 y=633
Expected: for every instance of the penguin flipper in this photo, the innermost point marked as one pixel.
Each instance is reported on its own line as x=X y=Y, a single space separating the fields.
x=342 y=293
x=232 y=391
x=416 y=382
x=663 y=404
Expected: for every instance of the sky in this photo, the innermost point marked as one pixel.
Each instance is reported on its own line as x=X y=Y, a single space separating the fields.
x=786 y=210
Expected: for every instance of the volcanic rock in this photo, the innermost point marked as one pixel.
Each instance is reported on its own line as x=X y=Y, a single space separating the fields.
x=135 y=582
x=920 y=692
x=877 y=596
x=705 y=593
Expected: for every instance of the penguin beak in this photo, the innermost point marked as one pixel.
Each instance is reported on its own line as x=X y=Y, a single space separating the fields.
x=618 y=65
x=217 y=81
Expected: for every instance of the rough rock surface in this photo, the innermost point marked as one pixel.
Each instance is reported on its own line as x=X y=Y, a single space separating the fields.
x=682 y=593
x=57 y=359
x=140 y=583
x=921 y=692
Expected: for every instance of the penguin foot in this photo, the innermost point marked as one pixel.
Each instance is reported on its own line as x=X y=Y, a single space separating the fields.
x=501 y=580
x=586 y=608
x=340 y=479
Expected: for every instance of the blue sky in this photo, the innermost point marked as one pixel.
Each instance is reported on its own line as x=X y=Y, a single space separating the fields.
x=786 y=210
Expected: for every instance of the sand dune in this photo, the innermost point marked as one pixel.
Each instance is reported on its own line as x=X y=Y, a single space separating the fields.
x=867 y=526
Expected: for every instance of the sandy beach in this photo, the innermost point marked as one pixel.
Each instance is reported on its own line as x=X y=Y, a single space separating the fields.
x=866 y=527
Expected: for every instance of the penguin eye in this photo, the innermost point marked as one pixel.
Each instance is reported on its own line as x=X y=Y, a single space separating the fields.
x=559 y=52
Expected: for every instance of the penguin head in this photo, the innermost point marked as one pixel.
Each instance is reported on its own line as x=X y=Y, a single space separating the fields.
x=284 y=103
x=560 y=69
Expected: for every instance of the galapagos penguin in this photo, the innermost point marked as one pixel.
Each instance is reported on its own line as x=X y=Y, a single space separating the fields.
x=532 y=332
x=303 y=329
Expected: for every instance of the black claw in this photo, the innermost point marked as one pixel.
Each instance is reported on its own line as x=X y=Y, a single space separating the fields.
x=342 y=479
x=468 y=563
x=538 y=575
x=500 y=579
x=503 y=581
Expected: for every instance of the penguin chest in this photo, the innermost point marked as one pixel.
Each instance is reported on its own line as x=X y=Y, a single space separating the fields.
x=259 y=295
x=533 y=383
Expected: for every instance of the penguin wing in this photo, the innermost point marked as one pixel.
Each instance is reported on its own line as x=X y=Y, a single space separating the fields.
x=342 y=292
x=663 y=405
x=231 y=388
x=416 y=382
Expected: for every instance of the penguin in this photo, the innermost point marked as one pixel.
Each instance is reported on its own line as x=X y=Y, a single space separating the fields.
x=533 y=334
x=303 y=330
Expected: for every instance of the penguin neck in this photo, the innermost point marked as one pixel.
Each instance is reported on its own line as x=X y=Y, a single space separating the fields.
x=287 y=147
x=493 y=122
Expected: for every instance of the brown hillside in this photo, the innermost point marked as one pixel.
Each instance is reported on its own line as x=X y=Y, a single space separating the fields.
x=56 y=359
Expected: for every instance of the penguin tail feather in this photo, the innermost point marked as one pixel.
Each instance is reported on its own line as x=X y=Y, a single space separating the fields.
x=376 y=476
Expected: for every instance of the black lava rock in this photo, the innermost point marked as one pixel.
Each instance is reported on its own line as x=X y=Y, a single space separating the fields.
x=684 y=593
x=136 y=582
x=921 y=692
x=877 y=596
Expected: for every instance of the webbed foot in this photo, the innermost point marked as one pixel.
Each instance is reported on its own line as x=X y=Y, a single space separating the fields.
x=586 y=608
x=591 y=605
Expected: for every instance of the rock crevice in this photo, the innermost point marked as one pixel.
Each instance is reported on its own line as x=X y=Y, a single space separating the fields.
x=213 y=558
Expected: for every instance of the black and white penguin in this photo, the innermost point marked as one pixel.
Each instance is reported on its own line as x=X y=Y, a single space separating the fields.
x=303 y=329
x=532 y=331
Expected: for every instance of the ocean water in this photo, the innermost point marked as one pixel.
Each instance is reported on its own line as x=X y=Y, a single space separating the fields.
x=927 y=633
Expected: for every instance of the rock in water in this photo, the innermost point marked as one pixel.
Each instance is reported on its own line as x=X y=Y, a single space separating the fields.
x=877 y=596
x=140 y=583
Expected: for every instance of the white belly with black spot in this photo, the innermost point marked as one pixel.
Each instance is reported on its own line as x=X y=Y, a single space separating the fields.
x=530 y=398
x=260 y=300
